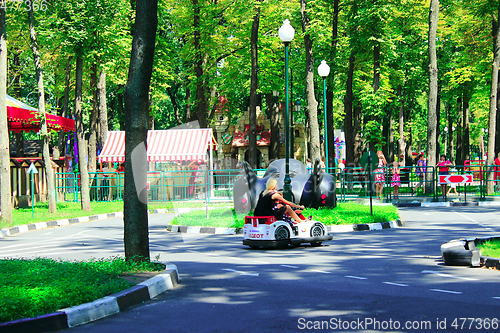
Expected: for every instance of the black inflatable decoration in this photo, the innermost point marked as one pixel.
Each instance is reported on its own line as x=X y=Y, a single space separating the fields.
x=311 y=190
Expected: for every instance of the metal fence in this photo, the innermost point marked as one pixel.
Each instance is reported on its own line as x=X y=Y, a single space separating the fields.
x=172 y=185
x=217 y=185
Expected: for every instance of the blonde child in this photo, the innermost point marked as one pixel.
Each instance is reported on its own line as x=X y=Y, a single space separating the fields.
x=396 y=179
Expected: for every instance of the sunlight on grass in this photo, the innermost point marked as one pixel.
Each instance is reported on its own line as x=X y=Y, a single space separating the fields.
x=344 y=213
x=33 y=287
x=490 y=248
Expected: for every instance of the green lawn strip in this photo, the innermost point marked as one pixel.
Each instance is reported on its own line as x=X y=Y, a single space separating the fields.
x=68 y=210
x=30 y=288
x=490 y=248
x=344 y=213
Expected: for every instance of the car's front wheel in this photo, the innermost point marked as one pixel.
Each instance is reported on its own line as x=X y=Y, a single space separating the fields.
x=281 y=233
x=317 y=230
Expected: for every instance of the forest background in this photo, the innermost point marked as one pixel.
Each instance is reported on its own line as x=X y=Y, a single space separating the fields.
x=377 y=90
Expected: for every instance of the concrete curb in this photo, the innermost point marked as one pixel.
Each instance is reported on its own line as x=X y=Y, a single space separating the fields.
x=329 y=228
x=98 y=309
x=59 y=223
x=448 y=204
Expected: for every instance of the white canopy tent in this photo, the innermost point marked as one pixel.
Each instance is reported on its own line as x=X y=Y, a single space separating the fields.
x=165 y=145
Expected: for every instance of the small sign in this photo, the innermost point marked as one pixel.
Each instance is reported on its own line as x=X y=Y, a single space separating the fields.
x=455 y=179
x=32 y=169
x=148 y=186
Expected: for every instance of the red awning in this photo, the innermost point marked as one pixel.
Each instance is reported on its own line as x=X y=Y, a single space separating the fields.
x=240 y=139
x=163 y=145
x=22 y=117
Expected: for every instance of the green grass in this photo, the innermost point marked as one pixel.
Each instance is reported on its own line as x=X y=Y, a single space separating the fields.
x=68 y=210
x=34 y=287
x=344 y=213
x=353 y=213
x=490 y=248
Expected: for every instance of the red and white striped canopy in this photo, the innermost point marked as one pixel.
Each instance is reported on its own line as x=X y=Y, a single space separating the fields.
x=163 y=145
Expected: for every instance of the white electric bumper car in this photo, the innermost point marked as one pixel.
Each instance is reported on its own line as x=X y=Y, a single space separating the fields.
x=268 y=232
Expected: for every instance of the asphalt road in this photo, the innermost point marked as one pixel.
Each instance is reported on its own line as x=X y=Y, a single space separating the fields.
x=389 y=280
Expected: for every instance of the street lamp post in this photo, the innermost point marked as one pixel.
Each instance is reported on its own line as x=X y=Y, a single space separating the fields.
x=323 y=71
x=286 y=33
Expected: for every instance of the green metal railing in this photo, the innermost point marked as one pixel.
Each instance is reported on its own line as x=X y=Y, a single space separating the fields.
x=217 y=185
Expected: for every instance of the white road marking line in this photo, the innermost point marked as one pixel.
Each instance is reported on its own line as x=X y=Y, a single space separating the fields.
x=355 y=277
x=234 y=258
x=318 y=271
x=240 y=272
x=396 y=284
x=289 y=266
x=496 y=297
x=446 y=291
x=448 y=275
x=213 y=254
x=468 y=218
x=261 y=262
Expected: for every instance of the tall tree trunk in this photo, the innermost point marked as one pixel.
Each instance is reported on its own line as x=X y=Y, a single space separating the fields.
x=252 y=145
x=172 y=92
x=312 y=104
x=330 y=85
x=65 y=104
x=135 y=214
x=438 y=121
x=5 y=187
x=103 y=109
x=433 y=91
x=121 y=111
x=493 y=99
x=49 y=175
x=188 y=113
x=274 y=112
x=459 y=133
x=401 y=124
x=348 y=118
x=19 y=144
x=376 y=68
x=392 y=150
x=358 y=142
x=80 y=137
x=17 y=86
x=497 y=124
x=451 y=145
x=213 y=103
x=94 y=122
x=408 y=142
x=385 y=134
x=199 y=61
x=466 y=125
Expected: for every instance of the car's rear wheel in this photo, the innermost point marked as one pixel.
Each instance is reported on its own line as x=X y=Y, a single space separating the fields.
x=281 y=233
